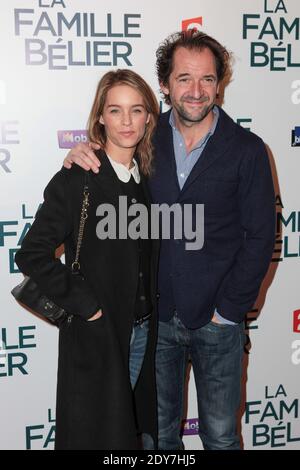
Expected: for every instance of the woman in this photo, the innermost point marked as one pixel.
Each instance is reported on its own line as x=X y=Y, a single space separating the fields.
x=105 y=391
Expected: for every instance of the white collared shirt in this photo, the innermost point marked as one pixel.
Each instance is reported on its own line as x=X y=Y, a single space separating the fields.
x=123 y=173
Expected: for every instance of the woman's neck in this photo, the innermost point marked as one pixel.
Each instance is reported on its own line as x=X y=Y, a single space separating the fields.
x=123 y=156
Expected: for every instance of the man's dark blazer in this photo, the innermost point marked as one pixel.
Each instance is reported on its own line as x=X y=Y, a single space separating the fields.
x=232 y=178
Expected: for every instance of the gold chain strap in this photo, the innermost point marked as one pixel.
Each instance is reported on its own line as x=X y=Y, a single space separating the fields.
x=83 y=217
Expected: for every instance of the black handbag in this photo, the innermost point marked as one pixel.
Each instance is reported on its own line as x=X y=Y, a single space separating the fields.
x=28 y=292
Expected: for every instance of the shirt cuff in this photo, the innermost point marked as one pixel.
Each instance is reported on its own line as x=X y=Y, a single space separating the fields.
x=223 y=320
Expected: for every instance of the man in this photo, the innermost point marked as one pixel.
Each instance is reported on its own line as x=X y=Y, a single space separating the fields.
x=202 y=156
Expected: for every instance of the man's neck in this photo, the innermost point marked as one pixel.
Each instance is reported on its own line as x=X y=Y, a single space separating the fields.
x=192 y=132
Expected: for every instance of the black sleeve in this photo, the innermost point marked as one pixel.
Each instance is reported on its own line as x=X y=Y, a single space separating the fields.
x=36 y=258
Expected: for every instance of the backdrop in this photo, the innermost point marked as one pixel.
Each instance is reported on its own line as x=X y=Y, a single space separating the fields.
x=52 y=54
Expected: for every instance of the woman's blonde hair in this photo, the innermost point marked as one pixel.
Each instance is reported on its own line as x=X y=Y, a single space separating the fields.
x=96 y=131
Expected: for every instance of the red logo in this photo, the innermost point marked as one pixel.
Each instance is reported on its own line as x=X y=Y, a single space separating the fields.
x=192 y=23
x=296 y=326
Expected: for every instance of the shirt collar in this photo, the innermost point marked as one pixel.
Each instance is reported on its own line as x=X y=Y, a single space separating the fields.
x=216 y=113
x=123 y=173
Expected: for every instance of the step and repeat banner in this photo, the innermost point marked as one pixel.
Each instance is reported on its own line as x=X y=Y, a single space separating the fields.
x=52 y=54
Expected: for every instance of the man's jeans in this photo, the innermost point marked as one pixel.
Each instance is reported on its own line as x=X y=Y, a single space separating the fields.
x=138 y=343
x=216 y=352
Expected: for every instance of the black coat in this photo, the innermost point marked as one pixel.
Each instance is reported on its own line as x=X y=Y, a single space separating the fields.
x=96 y=408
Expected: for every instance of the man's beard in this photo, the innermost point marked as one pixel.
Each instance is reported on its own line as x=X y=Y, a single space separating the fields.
x=184 y=115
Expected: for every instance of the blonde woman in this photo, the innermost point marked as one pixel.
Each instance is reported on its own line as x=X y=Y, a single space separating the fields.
x=105 y=392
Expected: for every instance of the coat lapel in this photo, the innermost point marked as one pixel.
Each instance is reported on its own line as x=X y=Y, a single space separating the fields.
x=215 y=148
x=165 y=148
x=106 y=180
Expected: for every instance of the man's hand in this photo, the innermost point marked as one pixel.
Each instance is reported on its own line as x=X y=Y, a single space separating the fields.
x=215 y=319
x=96 y=316
x=82 y=154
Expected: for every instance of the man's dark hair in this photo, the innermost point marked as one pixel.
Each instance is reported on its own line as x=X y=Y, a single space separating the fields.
x=190 y=39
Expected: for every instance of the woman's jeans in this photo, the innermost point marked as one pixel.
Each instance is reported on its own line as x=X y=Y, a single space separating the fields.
x=138 y=343
x=216 y=352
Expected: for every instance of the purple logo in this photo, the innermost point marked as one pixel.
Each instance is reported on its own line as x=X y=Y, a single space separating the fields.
x=190 y=427
x=68 y=139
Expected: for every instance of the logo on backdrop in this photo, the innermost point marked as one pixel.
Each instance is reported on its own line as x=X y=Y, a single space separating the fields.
x=192 y=23
x=296 y=137
x=12 y=233
x=296 y=321
x=296 y=93
x=14 y=346
x=250 y=324
x=244 y=122
x=190 y=427
x=295 y=358
x=9 y=136
x=41 y=436
x=273 y=36
x=58 y=38
x=287 y=244
x=68 y=139
x=273 y=418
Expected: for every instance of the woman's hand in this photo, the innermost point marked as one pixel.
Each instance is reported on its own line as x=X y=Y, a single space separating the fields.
x=96 y=316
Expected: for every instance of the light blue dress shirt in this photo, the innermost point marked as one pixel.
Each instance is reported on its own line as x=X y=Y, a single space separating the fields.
x=186 y=161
